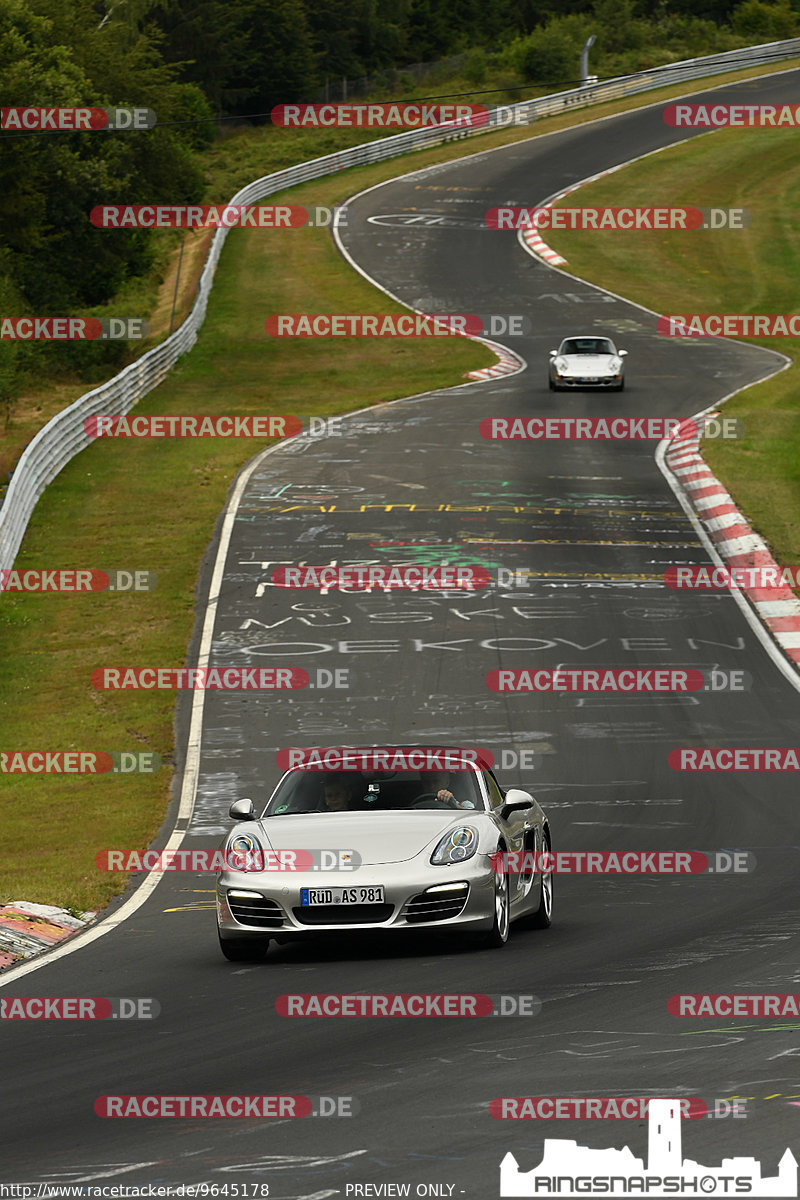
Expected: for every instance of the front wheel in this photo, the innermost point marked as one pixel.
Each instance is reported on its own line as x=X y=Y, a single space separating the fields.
x=543 y=917
x=498 y=934
x=252 y=949
x=621 y=387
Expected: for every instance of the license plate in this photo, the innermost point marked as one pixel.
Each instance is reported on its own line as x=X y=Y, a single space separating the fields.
x=342 y=895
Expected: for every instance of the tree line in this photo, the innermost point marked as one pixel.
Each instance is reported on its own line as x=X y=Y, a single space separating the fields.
x=196 y=61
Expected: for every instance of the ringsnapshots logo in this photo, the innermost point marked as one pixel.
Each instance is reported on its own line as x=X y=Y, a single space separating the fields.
x=196 y=1107
x=72 y=329
x=567 y=1169
x=216 y=216
x=407 y=1004
x=379 y=116
x=607 y=429
x=79 y=1008
x=111 y=425
x=74 y=120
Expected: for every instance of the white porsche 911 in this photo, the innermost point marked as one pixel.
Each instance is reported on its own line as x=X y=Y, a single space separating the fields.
x=587 y=362
x=382 y=850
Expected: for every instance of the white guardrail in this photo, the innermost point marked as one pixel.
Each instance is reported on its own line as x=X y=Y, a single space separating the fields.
x=63 y=437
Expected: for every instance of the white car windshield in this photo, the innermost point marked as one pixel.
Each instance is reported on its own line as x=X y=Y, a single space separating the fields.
x=587 y=345
x=374 y=791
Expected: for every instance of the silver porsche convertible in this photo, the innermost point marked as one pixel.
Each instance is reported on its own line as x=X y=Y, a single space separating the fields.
x=587 y=362
x=374 y=849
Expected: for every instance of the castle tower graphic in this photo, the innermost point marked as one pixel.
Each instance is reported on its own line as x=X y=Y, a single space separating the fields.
x=565 y=1161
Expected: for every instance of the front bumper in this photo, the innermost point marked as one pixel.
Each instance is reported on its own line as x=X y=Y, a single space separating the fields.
x=607 y=381
x=251 y=903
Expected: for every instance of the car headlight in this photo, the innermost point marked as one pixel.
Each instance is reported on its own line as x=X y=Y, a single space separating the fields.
x=560 y=365
x=456 y=846
x=615 y=366
x=244 y=853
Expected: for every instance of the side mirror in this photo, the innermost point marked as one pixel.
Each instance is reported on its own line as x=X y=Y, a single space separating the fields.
x=553 y=353
x=516 y=801
x=621 y=353
x=242 y=810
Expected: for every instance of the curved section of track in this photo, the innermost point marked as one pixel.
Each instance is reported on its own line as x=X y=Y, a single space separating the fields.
x=597 y=525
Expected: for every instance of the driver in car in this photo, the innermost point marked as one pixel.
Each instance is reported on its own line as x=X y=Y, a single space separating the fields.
x=342 y=793
x=435 y=785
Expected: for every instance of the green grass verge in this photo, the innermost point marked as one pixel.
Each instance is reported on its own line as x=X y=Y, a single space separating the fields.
x=753 y=270
x=153 y=505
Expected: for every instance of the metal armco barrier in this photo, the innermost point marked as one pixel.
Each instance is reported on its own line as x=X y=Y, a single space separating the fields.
x=63 y=437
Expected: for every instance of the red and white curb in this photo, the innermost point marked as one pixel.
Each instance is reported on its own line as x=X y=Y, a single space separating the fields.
x=509 y=364
x=27 y=929
x=539 y=246
x=532 y=238
x=733 y=537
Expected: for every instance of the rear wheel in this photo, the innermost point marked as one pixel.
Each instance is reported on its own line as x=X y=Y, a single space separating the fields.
x=252 y=949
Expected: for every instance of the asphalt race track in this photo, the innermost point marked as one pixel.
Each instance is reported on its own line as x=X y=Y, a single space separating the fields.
x=597 y=524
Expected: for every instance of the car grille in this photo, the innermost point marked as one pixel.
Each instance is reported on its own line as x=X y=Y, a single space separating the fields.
x=433 y=906
x=343 y=914
x=260 y=911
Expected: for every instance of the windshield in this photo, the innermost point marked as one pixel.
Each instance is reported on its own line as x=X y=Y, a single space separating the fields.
x=587 y=345
x=375 y=791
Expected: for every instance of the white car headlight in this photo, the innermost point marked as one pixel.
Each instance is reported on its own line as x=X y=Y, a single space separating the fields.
x=244 y=853
x=456 y=846
x=560 y=365
x=615 y=366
